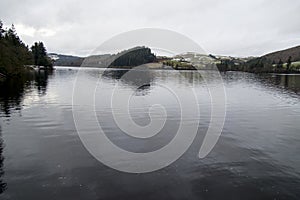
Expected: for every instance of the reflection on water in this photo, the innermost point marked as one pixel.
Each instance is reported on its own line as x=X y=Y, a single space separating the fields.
x=13 y=90
x=2 y=183
x=255 y=158
x=140 y=79
x=41 y=81
x=287 y=82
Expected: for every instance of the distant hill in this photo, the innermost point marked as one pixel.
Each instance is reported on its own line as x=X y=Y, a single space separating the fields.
x=272 y=62
x=65 y=60
x=284 y=55
x=287 y=61
x=276 y=61
x=133 y=57
x=125 y=59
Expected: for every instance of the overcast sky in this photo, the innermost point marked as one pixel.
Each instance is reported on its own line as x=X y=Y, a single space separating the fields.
x=224 y=27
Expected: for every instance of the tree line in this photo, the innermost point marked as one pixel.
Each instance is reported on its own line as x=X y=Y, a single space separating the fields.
x=15 y=54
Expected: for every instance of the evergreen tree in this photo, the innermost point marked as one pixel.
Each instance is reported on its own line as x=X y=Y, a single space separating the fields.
x=280 y=64
x=1 y=30
x=40 y=55
x=14 y=54
x=289 y=62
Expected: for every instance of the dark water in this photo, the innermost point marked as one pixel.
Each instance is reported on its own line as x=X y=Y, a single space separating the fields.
x=256 y=157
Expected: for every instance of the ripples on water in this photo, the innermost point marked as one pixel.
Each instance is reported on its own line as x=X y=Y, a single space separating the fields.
x=41 y=156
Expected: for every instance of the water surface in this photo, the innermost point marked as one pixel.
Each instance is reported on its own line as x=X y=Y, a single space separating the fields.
x=256 y=157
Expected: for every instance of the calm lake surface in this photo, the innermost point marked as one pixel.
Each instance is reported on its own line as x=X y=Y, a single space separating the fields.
x=256 y=157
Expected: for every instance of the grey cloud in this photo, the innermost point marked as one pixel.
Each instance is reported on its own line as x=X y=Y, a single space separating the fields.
x=229 y=27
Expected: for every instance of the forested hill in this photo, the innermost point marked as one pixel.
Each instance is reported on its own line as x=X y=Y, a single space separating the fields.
x=280 y=61
x=125 y=59
x=284 y=55
x=15 y=54
x=134 y=57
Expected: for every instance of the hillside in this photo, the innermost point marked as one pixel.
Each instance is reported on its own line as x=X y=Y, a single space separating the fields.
x=284 y=55
x=125 y=59
x=280 y=61
x=65 y=60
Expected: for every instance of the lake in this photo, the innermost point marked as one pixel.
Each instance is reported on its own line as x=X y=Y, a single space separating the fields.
x=256 y=156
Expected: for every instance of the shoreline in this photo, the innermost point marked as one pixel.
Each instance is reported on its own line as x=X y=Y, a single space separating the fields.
x=187 y=69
